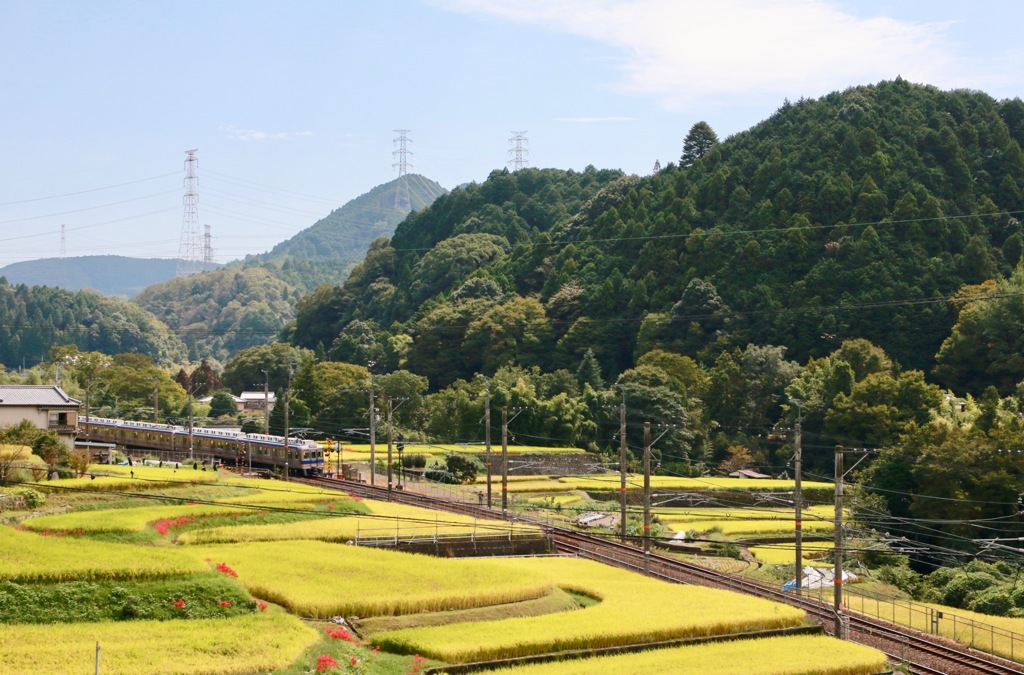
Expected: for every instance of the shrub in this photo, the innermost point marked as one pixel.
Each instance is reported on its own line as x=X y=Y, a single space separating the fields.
x=33 y=498
x=996 y=601
x=414 y=461
x=463 y=468
x=957 y=592
x=902 y=577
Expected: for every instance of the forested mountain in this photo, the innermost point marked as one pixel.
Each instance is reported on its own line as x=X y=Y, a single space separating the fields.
x=107 y=274
x=328 y=249
x=346 y=232
x=218 y=313
x=34 y=319
x=247 y=303
x=857 y=215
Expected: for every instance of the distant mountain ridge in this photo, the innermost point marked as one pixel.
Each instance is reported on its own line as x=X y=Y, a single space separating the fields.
x=248 y=302
x=345 y=234
x=113 y=275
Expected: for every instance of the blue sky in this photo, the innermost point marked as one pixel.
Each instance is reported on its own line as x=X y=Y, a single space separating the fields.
x=293 y=104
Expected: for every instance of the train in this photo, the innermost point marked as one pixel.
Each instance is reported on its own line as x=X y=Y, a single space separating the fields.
x=304 y=457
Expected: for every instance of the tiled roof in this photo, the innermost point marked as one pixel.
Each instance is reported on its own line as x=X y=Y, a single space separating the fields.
x=38 y=395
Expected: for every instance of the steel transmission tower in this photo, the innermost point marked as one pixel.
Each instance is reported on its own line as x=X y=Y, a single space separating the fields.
x=207 y=249
x=402 y=201
x=189 y=259
x=518 y=151
x=63 y=243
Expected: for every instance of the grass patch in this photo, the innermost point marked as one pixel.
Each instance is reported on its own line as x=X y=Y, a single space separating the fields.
x=204 y=597
x=556 y=601
x=351 y=656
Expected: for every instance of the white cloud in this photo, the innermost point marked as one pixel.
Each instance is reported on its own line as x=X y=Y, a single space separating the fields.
x=685 y=52
x=253 y=135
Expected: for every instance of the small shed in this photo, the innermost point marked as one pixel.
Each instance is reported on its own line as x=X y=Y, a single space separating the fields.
x=597 y=519
x=748 y=473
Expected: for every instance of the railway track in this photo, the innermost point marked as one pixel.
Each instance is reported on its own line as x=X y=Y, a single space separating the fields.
x=920 y=652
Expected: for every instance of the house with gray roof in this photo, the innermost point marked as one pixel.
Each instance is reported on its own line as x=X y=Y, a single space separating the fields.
x=45 y=406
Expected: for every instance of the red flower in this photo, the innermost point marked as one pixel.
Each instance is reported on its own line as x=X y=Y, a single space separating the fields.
x=340 y=634
x=223 y=567
x=224 y=603
x=325 y=663
x=262 y=605
x=354 y=660
x=330 y=506
x=179 y=603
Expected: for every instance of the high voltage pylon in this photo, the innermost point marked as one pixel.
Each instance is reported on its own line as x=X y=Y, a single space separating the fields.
x=189 y=259
x=518 y=151
x=63 y=243
x=402 y=152
x=207 y=249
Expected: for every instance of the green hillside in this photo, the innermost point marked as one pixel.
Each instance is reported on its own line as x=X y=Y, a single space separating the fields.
x=857 y=215
x=247 y=303
x=35 y=318
x=346 y=232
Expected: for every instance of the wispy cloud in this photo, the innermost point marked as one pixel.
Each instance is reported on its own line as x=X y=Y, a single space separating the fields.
x=254 y=135
x=685 y=52
x=590 y=120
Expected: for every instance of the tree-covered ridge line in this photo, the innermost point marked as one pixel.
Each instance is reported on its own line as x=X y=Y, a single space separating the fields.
x=344 y=235
x=33 y=319
x=853 y=216
x=247 y=303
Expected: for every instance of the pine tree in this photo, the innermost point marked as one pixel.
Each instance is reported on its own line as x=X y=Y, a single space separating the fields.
x=697 y=143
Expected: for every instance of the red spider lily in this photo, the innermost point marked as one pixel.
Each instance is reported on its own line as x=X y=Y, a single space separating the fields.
x=340 y=634
x=223 y=567
x=262 y=605
x=325 y=663
x=179 y=603
x=224 y=603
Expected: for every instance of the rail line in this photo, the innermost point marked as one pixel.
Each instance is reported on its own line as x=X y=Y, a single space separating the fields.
x=920 y=652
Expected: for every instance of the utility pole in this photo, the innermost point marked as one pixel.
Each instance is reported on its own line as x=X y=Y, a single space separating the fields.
x=647 y=498
x=88 y=386
x=504 y=459
x=156 y=398
x=389 y=448
x=266 y=403
x=487 y=433
x=798 y=501
x=373 y=430
x=287 y=405
x=837 y=582
x=622 y=468
x=190 y=443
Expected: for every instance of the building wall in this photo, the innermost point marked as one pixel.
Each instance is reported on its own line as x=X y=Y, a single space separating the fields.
x=41 y=418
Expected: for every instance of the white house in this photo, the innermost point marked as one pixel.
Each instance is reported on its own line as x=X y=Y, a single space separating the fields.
x=45 y=406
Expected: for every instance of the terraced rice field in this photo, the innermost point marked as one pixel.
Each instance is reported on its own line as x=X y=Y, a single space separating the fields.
x=625 y=615
x=790 y=655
